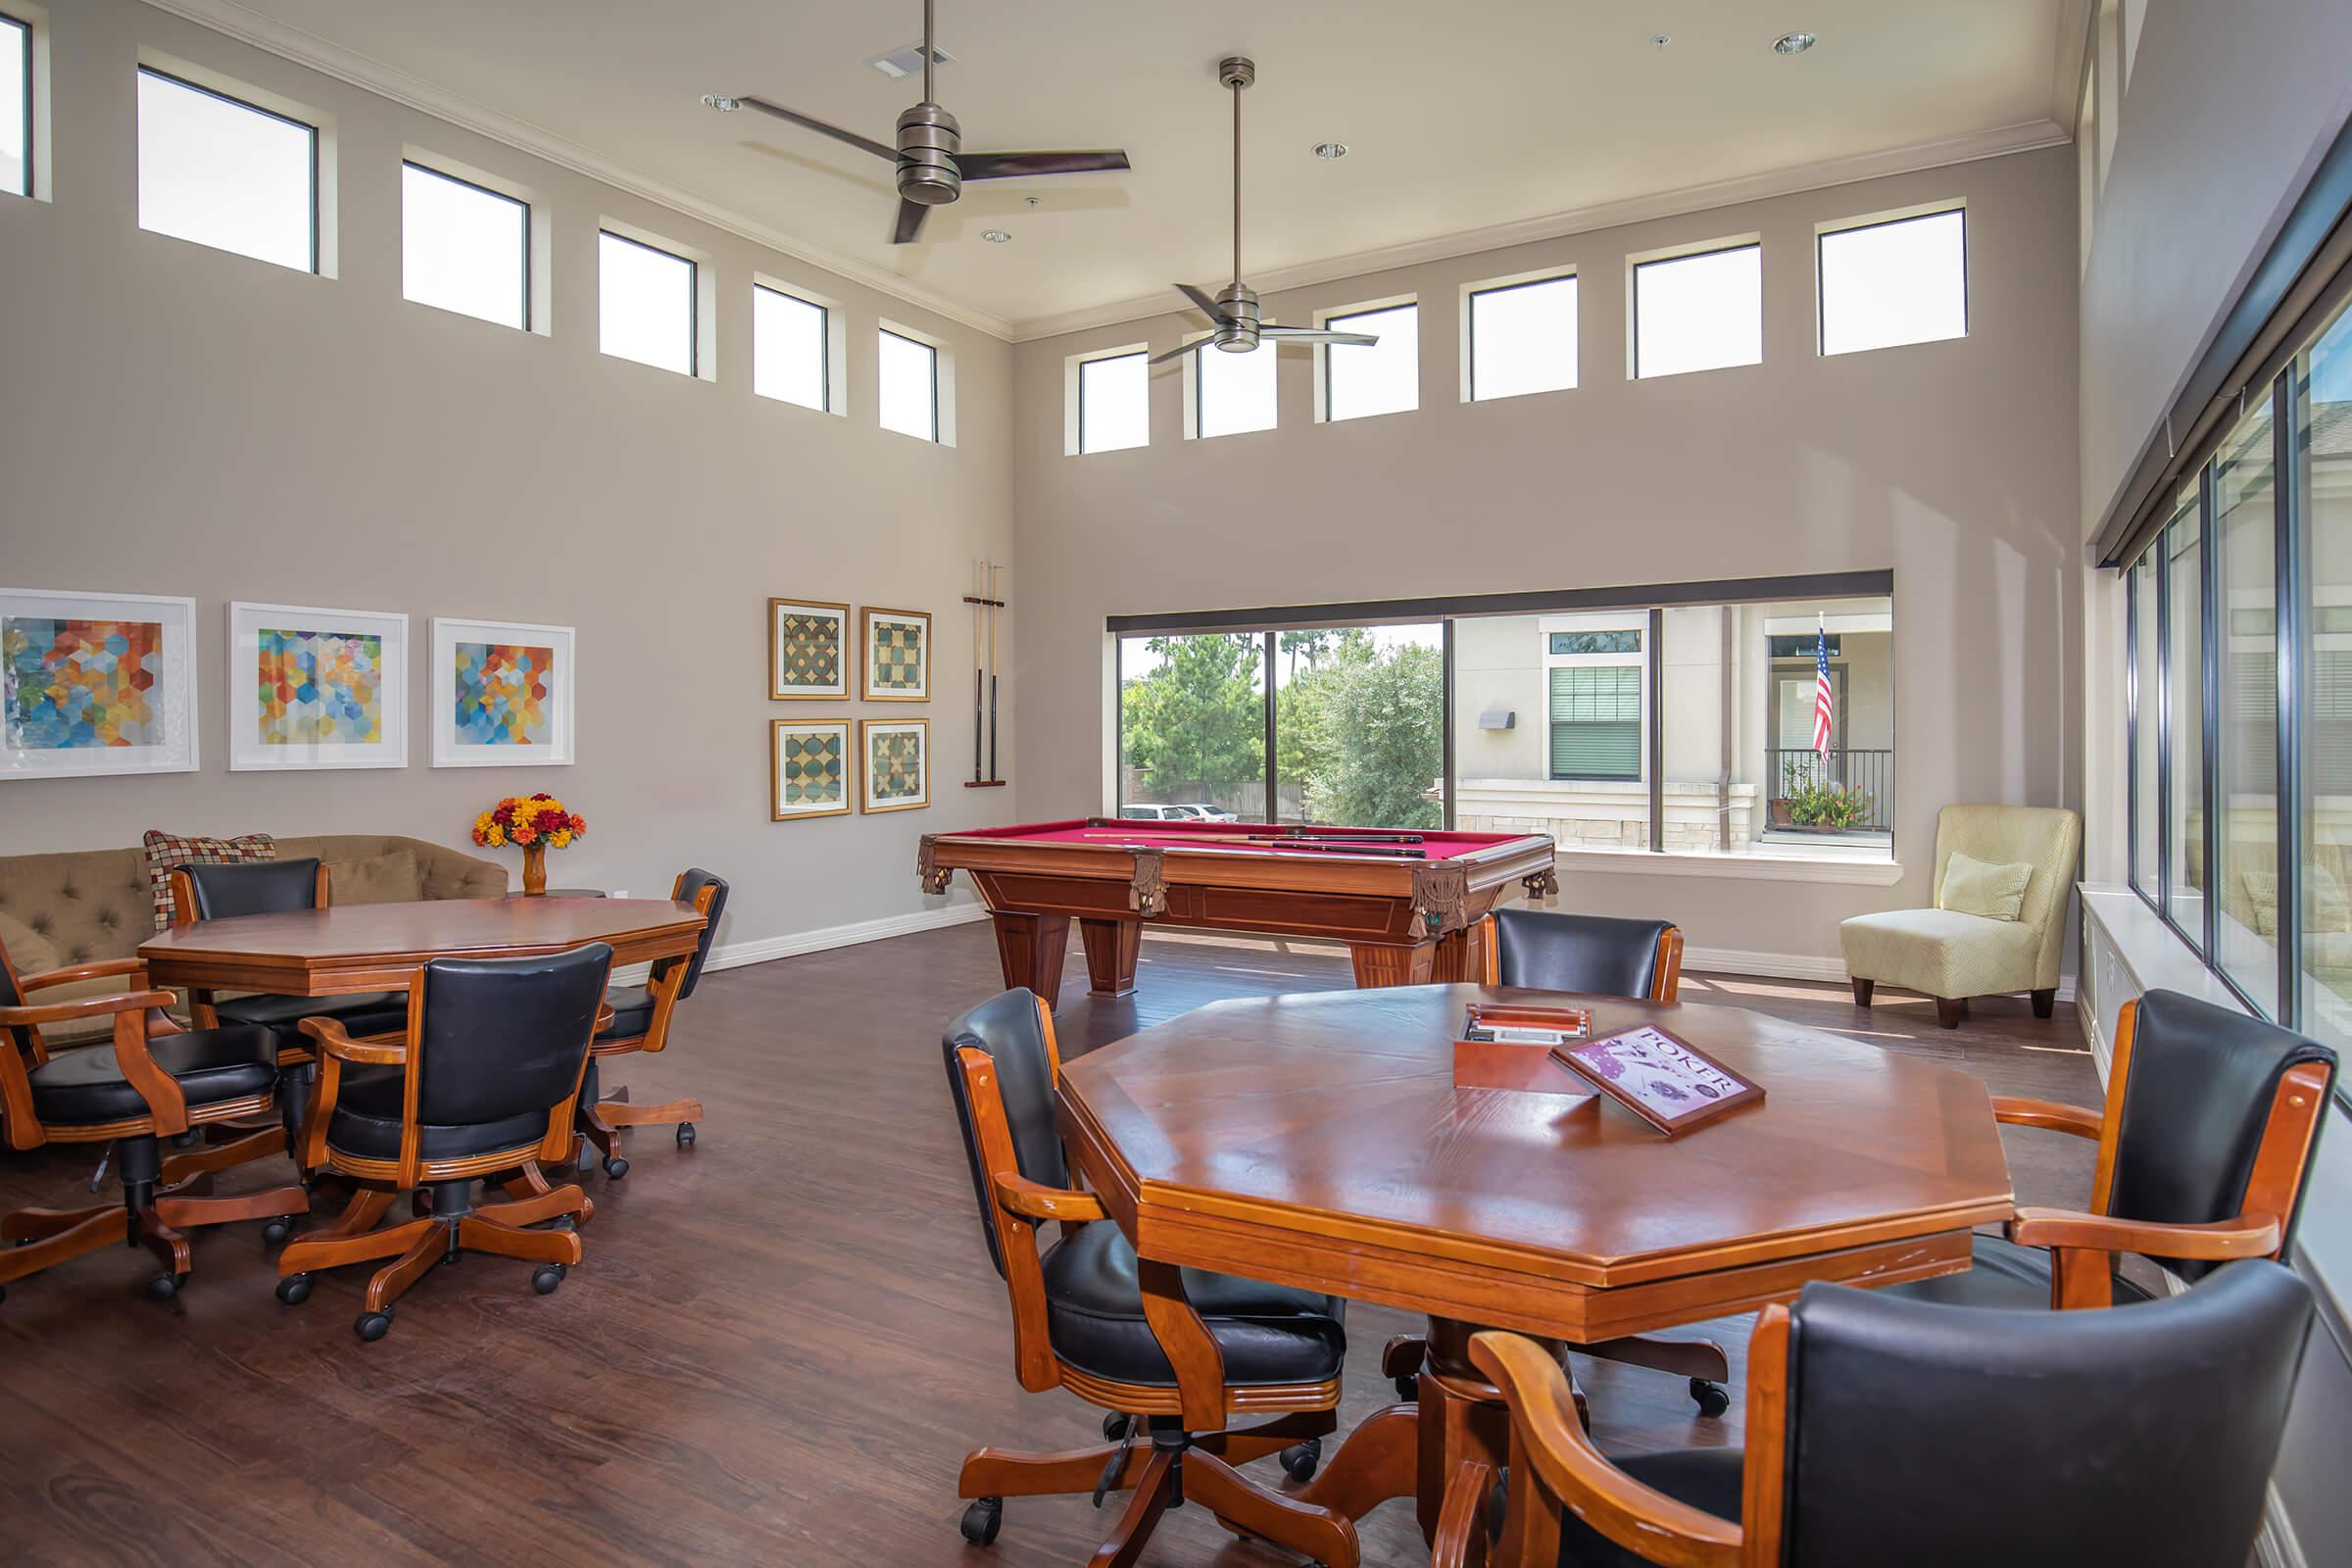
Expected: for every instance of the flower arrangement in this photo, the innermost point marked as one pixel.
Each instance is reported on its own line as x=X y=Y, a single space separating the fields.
x=533 y=824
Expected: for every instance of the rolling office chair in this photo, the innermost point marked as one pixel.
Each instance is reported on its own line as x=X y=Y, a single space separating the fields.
x=1883 y=1430
x=482 y=1087
x=641 y=1022
x=1172 y=1354
x=1600 y=955
x=2203 y=1145
x=155 y=1080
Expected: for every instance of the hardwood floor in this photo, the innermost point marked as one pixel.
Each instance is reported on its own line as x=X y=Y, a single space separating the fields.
x=781 y=1341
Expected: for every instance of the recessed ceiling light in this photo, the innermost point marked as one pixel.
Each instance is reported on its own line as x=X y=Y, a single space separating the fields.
x=1794 y=43
x=1330 y=149
x=995 y=236
x=721 y=102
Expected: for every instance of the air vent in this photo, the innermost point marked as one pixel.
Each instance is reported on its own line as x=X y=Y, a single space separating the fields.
x=908 y=61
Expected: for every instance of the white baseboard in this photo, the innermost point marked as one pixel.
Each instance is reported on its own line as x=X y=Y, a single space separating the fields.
x=735 y=955
x=1788 y=966
x=2276 y=1547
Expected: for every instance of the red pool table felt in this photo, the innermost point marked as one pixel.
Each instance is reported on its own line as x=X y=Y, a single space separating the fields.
x=1111 y=833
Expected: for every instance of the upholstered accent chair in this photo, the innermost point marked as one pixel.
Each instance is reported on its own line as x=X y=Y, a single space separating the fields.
x=1952 y=955
x=152 y=1080
x=480 y=1088
x=641 y=1017
x=1172 y=1354
x=1885 y=1431
x=2204 y=1143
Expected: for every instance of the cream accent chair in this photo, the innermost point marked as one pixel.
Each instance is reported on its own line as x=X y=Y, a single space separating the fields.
x=1953 y=956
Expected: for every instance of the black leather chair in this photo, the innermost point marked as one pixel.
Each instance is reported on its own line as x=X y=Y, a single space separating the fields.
x=1079 y=1322
x=641 y=1017
x=1885 y=1431
x=152 y=1080
x=1601 y=955
x=482 y=1088
x=2203 y=1145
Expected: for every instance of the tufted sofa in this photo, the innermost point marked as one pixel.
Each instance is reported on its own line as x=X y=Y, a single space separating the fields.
x=86 y=905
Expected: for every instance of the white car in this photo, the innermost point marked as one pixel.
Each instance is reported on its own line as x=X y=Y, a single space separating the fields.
x=1195 y=812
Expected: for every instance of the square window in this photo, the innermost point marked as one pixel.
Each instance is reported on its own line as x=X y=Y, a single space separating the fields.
x=465 y=248
x=1384 y=377
x=1233 y=394
x=1523 y=338
x=220 y=171
x=1885 y=285
x=791 y=345
x=645 y=301
x=1114 y=403
x=908 y=383
x=15 y=108
x=1698 y=312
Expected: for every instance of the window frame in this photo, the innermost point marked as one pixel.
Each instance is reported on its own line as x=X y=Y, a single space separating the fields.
x=883 y=330
x=1196 y=388
x=828 y=351
x=315 y=131
x=1083 y=362
x=34 y=189
x=1638 y=659
x=1472 y=293
x=1917 y=215
x=530 y=241
x=694 y=370
x=1636 y=265
x=1332 y=321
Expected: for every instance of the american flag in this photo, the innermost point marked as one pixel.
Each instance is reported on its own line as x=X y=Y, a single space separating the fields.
x=1823 y=703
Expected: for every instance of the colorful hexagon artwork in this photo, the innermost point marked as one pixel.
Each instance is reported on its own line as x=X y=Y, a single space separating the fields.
x=318 y=687
x=78 y=685
x=502 y=694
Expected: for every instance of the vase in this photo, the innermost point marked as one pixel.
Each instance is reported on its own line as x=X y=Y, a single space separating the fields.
x=534 y=870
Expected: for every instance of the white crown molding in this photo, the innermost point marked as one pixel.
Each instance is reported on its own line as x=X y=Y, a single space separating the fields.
x=2001 y=142
x=308 y=50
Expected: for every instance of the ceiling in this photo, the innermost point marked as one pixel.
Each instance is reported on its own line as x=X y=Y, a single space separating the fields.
x=1514 y=112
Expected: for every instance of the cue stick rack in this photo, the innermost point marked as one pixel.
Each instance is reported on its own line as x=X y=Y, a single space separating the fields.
x=988 y=607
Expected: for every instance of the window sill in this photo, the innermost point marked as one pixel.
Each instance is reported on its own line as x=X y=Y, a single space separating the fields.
x=1852 y=870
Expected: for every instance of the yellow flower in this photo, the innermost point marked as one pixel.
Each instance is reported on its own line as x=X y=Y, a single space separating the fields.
x=495 y=836
x=562 y=839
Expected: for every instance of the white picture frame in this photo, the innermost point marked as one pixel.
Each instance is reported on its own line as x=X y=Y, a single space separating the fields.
x=44 y=734
x=458 y=739
x=313 y=726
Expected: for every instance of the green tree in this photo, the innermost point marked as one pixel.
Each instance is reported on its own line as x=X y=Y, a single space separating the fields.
x=1377 y=742
x=1197 y=719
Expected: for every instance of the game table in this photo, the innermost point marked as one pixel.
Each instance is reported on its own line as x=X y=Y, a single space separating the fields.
x=1406 y=902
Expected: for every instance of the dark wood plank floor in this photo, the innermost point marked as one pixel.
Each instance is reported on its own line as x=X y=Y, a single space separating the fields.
x=778 y=1350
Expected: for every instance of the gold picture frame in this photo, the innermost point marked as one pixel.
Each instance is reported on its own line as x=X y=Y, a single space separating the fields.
x=843 y=732
x=906 y=668
x=808 y=691
x=909 y=787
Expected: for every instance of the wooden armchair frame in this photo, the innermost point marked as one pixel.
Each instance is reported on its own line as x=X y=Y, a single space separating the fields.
x=599 y=1122
x=1665 y=980
x=446 y=1223
x=158 y=1204
x=202 y=1008
x=1156 y=1431
x=2083 y=1244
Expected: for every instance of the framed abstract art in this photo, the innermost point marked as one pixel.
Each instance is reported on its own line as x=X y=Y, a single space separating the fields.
x=809 y=768
x=898 y=656
x=95 y=683
x=894 y=764
x=502 y=694
x=311 y=688
x=807 y=649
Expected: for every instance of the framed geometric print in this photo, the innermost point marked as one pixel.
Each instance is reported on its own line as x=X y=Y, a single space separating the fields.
x=808 y=650
x=502 y=694
x=95 y=683
x=312 y=688
x=894 y=764
x=898 y=656
x=809 y=768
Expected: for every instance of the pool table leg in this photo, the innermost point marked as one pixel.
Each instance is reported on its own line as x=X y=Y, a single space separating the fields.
x=1031 y=948
x=1111 y=950
x=1382 y=964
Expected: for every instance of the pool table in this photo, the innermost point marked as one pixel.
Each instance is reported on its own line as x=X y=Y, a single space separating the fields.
x=1407 y=910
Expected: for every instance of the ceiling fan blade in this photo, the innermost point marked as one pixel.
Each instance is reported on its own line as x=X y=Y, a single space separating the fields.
x=1007 y=166
x=1178 y=354
x=910 y=221
x=1208 y=305
x=820 y=127
x=1315 y=334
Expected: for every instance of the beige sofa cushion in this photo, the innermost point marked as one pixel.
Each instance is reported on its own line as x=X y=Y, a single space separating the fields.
x=393 y=878
x=1940 y=952
x=28 y=952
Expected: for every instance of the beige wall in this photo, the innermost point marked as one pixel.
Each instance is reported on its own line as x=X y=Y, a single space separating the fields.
x=180 y=420
x=1952 y=464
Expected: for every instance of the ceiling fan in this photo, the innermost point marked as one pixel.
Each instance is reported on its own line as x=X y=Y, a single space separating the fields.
x=931 y=167
x=1234 y=310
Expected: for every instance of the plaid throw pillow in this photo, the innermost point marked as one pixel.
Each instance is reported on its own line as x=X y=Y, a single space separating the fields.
x=167 y=850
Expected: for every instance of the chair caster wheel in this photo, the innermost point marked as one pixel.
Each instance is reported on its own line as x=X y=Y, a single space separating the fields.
x=685 y=1135
x=1408 y=1387
x=616 y=1167
x=1713 y=1397
x=1116 y=1425
x=549 y=1276
x=276 y=1231
x=1299 y=1459
x=294 y=1289
x=982 y=1520
x=374 y=1326
x=164 y=1286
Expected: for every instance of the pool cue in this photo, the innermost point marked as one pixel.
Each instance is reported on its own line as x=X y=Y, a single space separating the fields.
x=1131 y=841
x=980 y=579
x=996 y=607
